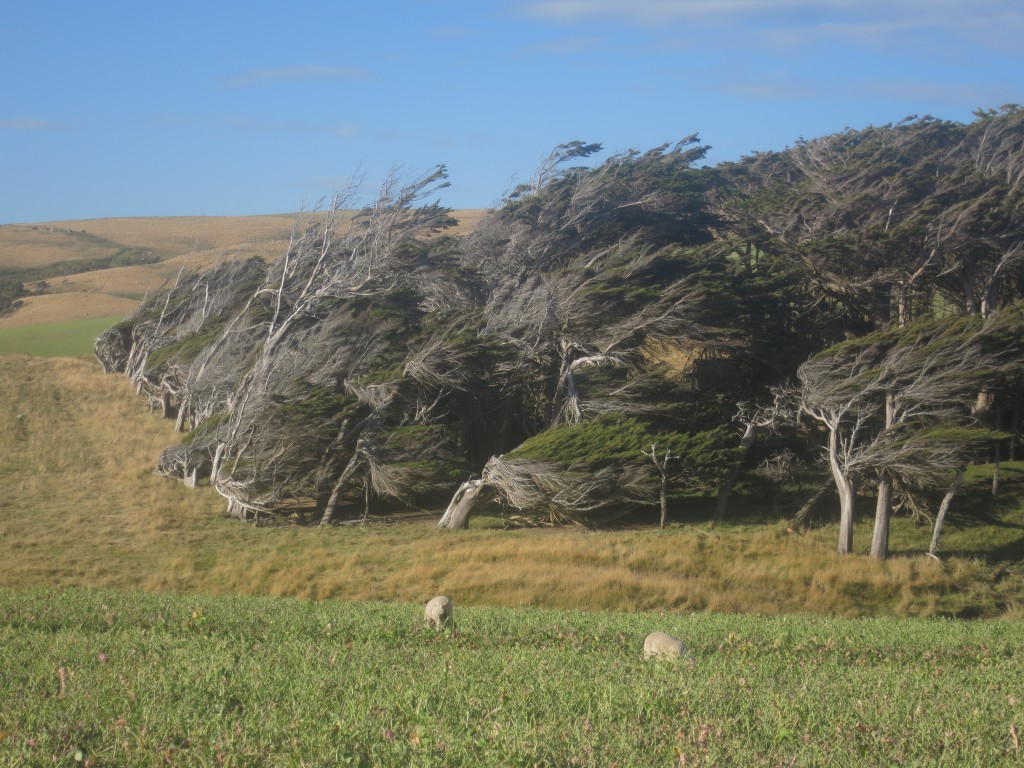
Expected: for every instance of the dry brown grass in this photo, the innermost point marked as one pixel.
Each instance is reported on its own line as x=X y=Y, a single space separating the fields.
x=25 y=245
x=184 y=234
x=82 y=507
x=181 y=234
x=193 y=242
x=54 y=308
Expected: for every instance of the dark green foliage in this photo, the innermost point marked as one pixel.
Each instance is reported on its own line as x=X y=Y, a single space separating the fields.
x=182 y=352
x=320 y=408
x=202 y=433
x=696 y=457
x=591 y=443
x=604 y=311
x=12 y=288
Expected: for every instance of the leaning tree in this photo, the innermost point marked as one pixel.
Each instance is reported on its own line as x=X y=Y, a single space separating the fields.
x=590 y=276
x=898 y=405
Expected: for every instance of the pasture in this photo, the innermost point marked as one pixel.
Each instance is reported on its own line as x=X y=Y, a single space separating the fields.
x=124 y=678
x=78 y=481
x=140 y=627
x=69 y=338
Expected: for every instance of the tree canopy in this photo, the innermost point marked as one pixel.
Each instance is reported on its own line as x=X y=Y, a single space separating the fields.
x=591 y=340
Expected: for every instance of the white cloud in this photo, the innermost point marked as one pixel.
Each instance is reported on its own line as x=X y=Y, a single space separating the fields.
x=297 y=73
x=770 y=87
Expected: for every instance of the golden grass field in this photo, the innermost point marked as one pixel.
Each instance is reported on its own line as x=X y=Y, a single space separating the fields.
x=82 y=507
x=192 y=242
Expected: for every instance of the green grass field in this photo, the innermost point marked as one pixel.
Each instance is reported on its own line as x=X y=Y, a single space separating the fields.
x=129 y=679
x=215 y=661
x=73 y=338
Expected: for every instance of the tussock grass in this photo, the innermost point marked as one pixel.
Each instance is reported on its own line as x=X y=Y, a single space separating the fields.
x=82 y=508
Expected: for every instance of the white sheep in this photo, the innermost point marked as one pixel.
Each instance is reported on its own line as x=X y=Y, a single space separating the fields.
x=438 y=613
x=662 y=646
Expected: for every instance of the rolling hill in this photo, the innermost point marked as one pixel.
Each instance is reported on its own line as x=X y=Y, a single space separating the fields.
x=100 y=268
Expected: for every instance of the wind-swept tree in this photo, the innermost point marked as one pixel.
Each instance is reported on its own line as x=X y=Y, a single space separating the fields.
x=586 y=274
x=926 y=376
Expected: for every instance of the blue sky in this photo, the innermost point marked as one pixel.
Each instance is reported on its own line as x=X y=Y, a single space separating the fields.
x=215 y=108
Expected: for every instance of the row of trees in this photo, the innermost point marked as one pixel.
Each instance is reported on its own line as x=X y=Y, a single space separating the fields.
x=585 y=348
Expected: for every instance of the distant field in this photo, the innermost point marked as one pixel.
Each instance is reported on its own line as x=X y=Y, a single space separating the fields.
x=192 y=242
x=25 y=245
x=68 y=307
x=71 y=338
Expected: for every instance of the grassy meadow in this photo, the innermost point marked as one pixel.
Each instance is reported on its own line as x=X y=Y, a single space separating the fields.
x=117 y=678
x=140 y=627
x=67 y=338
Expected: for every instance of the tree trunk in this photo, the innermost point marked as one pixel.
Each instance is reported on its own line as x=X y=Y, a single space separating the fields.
x=218 y=456
x=461 y=506
x=800 y=518
x=883 y=514
x=664 y=499
x=847 y=494
x=179 y=423
x=995 y=472
x=332 y=501
x=725 y=490
x=847 y=497
x=366 y=501
x=883 y=504
x=166 y=409
x=943 y=509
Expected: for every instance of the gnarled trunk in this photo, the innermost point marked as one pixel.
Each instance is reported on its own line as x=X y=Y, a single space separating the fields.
x=800 y=518
x=847 y=494
x=847 y=497
x=470 y=493
x=883 y=504
x=940 y=518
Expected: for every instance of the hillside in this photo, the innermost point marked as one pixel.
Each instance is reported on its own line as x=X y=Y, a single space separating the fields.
x=91 y=268
x=82 y=507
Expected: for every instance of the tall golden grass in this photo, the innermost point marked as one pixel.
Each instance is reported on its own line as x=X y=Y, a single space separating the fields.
x=82 y=507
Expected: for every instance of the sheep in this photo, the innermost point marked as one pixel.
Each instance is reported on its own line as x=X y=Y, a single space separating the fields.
x=438 y=613
x=660 y=645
